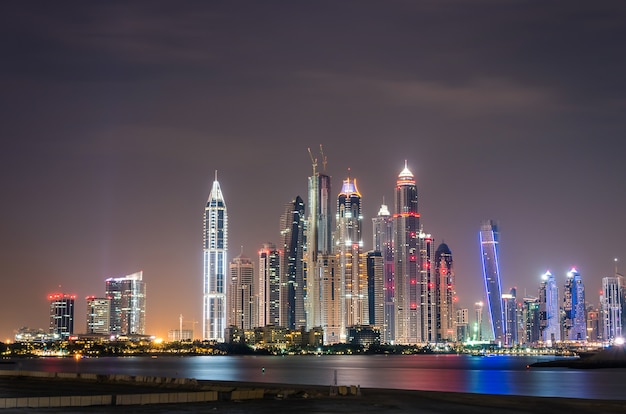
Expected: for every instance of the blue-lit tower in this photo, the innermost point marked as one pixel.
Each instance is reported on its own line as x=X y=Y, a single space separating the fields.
x=491 y=273
x=575 y=314
x=549 y=321
x=215 y=248
x=292 y=282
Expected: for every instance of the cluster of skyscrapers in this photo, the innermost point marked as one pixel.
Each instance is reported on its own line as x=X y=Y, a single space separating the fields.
x=120 y=312
x=319 y=276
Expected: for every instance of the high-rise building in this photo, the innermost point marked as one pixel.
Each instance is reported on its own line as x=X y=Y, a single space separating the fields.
x=575 y=313
x=489 y=246
x=477 y=328
x=549 y=320
x=375 y=289
x=532 y=323
x=408 y=283
x=128 y=304
x=348 y=247
x=293 y=284
x=330 y=304
x=98 y=315
x=594 y=324
x=383 y=242
x=444 y=287
x=428 y=291
x=318 y=242
x=215 y=248
x=241 y=302
x=61 y=314
x=268 y=288
x=612 y=303
x=509 y=303
x=462 y=325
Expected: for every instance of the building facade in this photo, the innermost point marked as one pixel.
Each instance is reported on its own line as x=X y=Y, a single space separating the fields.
x=98 y=315
x=574 y=309
x=268 y=288
x=293 y=283
x=128 y=304
x=383 y=242
x=489 y=246
x=241 y=303
x=61 y=315
x=612 y=303
x=215 y=249
x=549 y=320
x=446 y=294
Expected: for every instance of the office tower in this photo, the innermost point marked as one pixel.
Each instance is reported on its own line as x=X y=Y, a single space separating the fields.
x=477 y=329
x=532 y=323
x=98 y=315
x=215 y=249
x=462 y=325
x=293 y=272
x=408 y=284
x=594 y=324
x=267 y=290
x=575 y=313
x=318 y=242
x=128 y=304
x=61 y=314
x=549 y=310
x=332 y=320
x=489 y=246
x=383 y=242
x=376 y=289
x=509 y=303
x=428 y=291
x=444 y=287
x=612 y=303
x=348 y=247
x=240 y=289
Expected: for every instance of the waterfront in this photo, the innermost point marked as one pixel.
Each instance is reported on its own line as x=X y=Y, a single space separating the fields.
x=505 y=375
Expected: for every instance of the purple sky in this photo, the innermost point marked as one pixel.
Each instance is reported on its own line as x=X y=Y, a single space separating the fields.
x=114 y=117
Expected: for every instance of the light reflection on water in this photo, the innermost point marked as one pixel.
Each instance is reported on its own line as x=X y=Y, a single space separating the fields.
x=461 y=373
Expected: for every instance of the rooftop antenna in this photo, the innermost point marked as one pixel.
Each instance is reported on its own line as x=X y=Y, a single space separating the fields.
x=313 y=162
x=180 y=327
x=215 y=175
x=323 y=157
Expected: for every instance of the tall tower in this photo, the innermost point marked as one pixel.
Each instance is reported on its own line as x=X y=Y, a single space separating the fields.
x=383 y=242
x=318 y=242
x=98 y=315
x=215 y=250
x=406 y=260
x=267 y=291
x=376 y=289
x=428 y=290
x=509 y=303
x=575 y=321
x=489 y=239
x=549 y=322
x=348 y=247
x=292 y=282
x=241 y=303
x=62 y=314
x=128 y=304
x=613 y=302
x=446 y=315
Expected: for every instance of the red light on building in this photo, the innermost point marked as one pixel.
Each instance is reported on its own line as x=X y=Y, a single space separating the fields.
x=430 y=285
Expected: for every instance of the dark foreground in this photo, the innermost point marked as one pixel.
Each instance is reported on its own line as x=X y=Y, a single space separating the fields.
x=308 y=399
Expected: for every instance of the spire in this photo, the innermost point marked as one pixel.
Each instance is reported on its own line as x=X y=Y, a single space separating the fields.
x=349 y=187
x=406 y=176
x=216 y=191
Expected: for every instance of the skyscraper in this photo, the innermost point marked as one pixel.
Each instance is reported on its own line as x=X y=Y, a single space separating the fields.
x=128 y=304
x=375 y=288
x=318 y=242
x=549 y=310
x=509 y=304
x=215 y=248
x=489 y=246
x=98 y=315
x=408 y=285
x=268 y=287
x=428 y=291
x=292 y=283
x=348 y=247
x=61 y=314
x=575 y=312
x=383 y=242
x=612 y=302
x=532 y=322
x=241 y=302
x=444 y=287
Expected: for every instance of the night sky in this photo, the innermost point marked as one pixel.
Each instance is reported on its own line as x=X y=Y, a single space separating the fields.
x=115 y=116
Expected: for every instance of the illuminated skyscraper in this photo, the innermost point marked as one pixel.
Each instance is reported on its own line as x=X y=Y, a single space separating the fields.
x=293 y=272
x=215 y=248
x=319 y=244
x=375 y=288
x=489 y=239
x=549 y=310
x=408 y=285
x=241 y=301
x=268 y=288
x=613 y=302
x=61 y=314
x=98 y=315
x=383 y=242
x=348 y=247
x=444 y=288
x=575 y=313
x=509 y=303
x=128 y=304
x=428 y=291
x=531 y=321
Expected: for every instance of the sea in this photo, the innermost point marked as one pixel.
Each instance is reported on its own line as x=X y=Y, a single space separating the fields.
x=498 y=374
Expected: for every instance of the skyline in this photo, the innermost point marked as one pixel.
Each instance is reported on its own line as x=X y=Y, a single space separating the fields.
x=115 y=117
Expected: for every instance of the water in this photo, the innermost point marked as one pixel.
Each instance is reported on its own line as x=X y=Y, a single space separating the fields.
x=460 y=373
